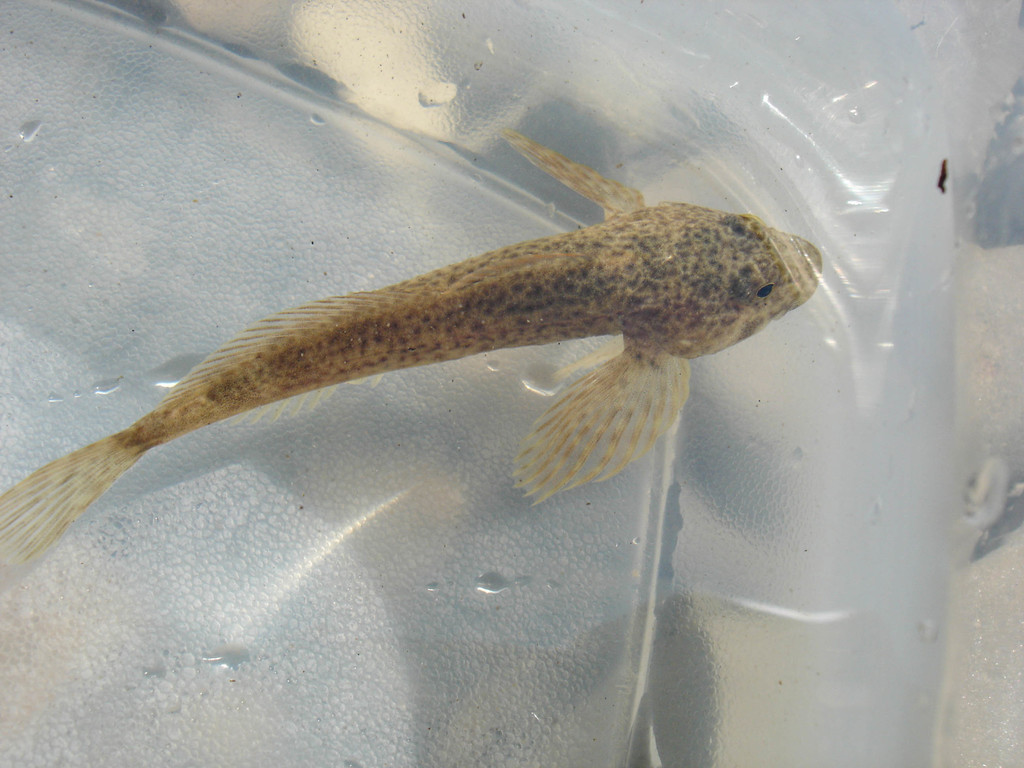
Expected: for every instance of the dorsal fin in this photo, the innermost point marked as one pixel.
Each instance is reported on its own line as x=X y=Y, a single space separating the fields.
x=278 y=327
x=613 y=197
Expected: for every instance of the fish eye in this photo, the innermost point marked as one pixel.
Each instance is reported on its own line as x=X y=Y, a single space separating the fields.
x=765 y=290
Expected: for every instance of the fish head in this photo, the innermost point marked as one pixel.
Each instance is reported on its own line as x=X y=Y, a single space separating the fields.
x=732 y=278
x=799 y=268
x=769 y=273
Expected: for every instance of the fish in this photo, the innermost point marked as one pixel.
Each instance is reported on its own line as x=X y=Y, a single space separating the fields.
x=674 y=281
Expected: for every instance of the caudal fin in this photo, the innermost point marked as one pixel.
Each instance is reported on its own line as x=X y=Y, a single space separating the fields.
x=37 y=511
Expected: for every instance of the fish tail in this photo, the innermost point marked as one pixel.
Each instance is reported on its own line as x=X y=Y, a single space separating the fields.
x=37 y=511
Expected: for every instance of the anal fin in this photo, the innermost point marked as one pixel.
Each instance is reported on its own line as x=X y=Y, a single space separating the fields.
x=603 y=421
x=290 y=406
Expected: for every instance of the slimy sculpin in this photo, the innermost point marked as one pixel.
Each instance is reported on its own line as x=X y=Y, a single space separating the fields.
x=675 y=281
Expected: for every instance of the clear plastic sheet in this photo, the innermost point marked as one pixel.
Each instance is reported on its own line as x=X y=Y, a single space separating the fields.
x=361 y=584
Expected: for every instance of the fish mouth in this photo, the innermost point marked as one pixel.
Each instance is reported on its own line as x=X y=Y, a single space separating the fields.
x=801 y=260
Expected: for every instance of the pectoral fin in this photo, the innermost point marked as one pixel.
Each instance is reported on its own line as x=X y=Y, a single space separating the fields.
x=604 y=421
x=610 y=195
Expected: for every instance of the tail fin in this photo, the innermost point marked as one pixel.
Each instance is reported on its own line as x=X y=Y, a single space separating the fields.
x=37 y=511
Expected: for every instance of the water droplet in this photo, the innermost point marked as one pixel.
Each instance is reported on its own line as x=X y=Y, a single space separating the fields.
x=635 y=540
x=876 y=511
x=433 y=586
x=108 y=387
x=28 y=131
x=53 y=397
x=856 y=115
x=154 y=669
x=928 y=630
x=437 y=94
x=986 y=493
x=316 y=119
x=229 y=655
x=911 y=405
x=538 y=388
x=352 y=764
x=492 y=583
x=540 y=379
x=174 y=370
x=798 y=455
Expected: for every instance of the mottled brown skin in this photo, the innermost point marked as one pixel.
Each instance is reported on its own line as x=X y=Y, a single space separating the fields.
x=676 y=281
x=673 y=278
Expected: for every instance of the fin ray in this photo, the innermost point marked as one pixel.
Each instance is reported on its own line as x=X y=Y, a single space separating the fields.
x=35 y=513
x=602 y=422
x=291 y=406
x=612 y=196
x=602 y=354
x=278 y=327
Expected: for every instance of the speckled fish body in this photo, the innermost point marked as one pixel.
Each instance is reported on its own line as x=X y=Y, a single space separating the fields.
x=676 y=281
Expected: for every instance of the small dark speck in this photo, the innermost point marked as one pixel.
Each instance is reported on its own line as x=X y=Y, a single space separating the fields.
x=919 y=24
x=943 y=175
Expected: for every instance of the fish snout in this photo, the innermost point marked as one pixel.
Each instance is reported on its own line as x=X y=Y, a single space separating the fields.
x=801 y=261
